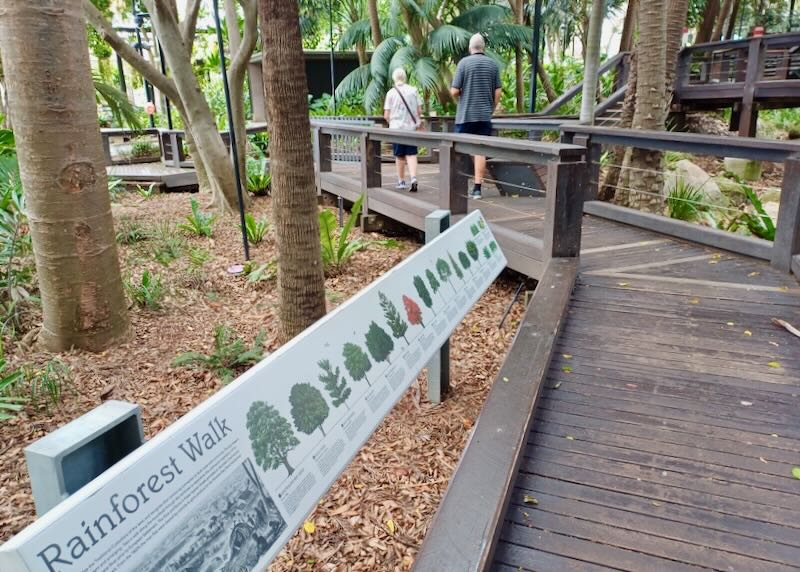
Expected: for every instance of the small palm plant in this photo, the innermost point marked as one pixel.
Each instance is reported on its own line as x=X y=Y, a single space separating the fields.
x=198 y=223
x=256 y=229
x=229 y=354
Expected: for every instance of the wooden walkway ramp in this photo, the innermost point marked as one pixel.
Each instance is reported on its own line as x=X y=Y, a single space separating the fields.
x=647 y=415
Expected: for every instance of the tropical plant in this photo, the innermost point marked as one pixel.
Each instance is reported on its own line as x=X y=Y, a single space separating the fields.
x=337 y=248
x=393 y=318
x=685 y=201
x=271 y=436
x=309 y=408
x=147 y=192
x=123 y=112
x=256 y=229
x=198 y=223
x=335 y=385
x=229 y=354
x=148 y=292
x=356 y=361
x=759 y=223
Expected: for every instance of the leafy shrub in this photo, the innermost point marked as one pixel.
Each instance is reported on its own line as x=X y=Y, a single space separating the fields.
x=256 y=229
x=759 y=222
x=45 y=385
x=198 y=223
x=259 y=179
x=143 y=147
x=685 y=201
x=130 y=231
x=229 y=354
x=148 y=293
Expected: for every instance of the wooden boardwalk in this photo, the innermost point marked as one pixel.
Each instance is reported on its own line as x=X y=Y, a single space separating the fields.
x=667 y=425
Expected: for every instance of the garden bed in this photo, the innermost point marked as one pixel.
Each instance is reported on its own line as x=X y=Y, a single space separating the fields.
x=376 y=514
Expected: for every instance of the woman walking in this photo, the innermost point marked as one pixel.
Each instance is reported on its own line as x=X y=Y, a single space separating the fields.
x=403 y=110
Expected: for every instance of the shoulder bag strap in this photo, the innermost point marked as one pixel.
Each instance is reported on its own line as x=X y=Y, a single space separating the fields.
x=411 y=113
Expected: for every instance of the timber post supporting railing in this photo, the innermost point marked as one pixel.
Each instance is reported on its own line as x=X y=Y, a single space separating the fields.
x=453 y=181
x=322 y=155
x=787 y=230
x=564 y=209
x=748 y=113
x=371 y=175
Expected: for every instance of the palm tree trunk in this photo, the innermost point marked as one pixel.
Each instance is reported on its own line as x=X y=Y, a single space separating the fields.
x=63 y=174
x=519 y=54
x=650 y=113
x=707 y=25
x=629 y=26
x=301 y=284
x=374 y=22
x=610 y=185
x=592 y=62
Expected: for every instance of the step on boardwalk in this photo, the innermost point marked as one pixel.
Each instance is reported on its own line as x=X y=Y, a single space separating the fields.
x=666 y=424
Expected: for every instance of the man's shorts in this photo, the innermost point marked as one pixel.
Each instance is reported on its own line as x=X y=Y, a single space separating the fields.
x=475 y=127
x=399 y=150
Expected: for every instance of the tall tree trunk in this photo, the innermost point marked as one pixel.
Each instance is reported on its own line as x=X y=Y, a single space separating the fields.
x=63 y=174
x=518 y=7
x=374 y=22
x=361 y=52
x=609 y=189
x=232 y=24
x=645 y=174
x=592 y=62
x=629 y=26
x=547 y=83
x=732 y=20
x=707 y=25
x=676 y=21
x=301 y=283
x=720 y=24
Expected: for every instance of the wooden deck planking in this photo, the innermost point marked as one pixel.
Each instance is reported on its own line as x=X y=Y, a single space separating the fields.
x=682 y=434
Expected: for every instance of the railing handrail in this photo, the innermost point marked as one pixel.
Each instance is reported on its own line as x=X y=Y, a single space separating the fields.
x=572 y=92
x=742 y=42
x=469 y=143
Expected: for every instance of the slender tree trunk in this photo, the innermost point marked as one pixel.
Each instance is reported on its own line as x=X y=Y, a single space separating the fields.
x=629 y=26
x=676 y=21
x=547 y=83
x=232 y=24
x=611 y=182
x=650 y=113
x=519 y=54
x=361 y=52
x=301 y=283
x=732 y=20
x=720 y=24
x=707 y=25
x=63 y=174
x=592 y=62
x=374 y=22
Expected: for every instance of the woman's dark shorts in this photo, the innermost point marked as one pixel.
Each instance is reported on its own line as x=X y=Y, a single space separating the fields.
x=399 y=150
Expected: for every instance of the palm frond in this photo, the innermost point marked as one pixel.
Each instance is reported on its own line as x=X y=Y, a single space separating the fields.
x=354 y=82
x=382 y=57
x=506 y=36
x=357 y=33
x=502 y=62
x=404 y=58
x=426 y=72
x=373 y=95
x=122 y=109
x=416 y=8
x=448 y=41
x=481 y=17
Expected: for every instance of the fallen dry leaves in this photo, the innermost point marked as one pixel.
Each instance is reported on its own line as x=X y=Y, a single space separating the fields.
x=376 y=514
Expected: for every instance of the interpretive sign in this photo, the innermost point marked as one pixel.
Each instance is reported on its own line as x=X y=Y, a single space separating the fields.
x=226 y=486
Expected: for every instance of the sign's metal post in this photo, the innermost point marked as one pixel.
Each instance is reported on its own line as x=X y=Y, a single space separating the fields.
x=439 y=366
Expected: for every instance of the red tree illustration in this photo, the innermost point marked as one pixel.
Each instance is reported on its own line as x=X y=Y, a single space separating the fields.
x=413 y=311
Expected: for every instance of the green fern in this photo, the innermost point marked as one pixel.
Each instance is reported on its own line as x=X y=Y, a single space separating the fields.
x=149 y=292
x=198 y=223
x=229 y=354
x=256 y=229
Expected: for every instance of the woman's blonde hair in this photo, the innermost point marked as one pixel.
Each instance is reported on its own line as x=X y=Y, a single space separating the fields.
x=399 y=76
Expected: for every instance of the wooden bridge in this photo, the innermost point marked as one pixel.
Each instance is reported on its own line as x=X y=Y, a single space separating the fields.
x=646 y=416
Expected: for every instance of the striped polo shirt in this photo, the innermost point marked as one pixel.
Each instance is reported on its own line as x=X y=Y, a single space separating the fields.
x=477 y=76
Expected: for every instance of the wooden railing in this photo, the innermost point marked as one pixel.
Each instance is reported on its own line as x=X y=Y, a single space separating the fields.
x=779 y=252
x=106 y=133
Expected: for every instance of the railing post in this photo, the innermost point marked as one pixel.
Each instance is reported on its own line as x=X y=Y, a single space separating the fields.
x=748 y=119
x=439 y=365
x=453 y=180
x=564 y=208
x=591 y=174
x=106 y=148
x=787 y=230
x=322 y=155
x=175 y=152
x=370 y=163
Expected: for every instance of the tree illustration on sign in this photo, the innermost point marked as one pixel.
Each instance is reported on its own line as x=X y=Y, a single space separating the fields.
x=357 y=362
x=271 y=436
x=434 y=283
x=309 y=408
x=443 y=269
x=455 y=266
x=338 y=390
x=379 y=343
x=481 y=223
x=412 y=311
x=396 y=323
x=472 y=250
x=474 y=229
x=493 y=246
x=486 y=254
x=422 y=290
x=464 y=260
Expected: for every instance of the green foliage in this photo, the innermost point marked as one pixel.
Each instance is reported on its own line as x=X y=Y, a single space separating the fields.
x=356 y=362
x=148 y=293
x=8 y=147
x=685 y=202
x=472 y=250
x=115 y=188
x=309 y=408
x=10 y=403
x=464 y=260
x=229 y=354
x=335 y=385
x=147 y=192
x=197 y=258
x=486 y=254
x=259 y=178
x=443 y=269
x=455 y=266
x=474 y=229
x=393 y=318
x=432 y=281
x=143 y=147
x=337 y=247
x=198 y=223
x=759 y=222
x=256 y=229
x=422 y=290
x=379 y=343
x=493 y=246
x=271 y=436
x=261 y=272
x=131 y=231
x=45 y=386
x=168 y=250
x=122 y=111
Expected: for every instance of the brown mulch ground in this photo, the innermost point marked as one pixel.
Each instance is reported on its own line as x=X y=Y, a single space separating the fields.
x=375 y=515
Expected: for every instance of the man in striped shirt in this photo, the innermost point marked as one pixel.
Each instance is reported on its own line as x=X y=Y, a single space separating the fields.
x=476 y=86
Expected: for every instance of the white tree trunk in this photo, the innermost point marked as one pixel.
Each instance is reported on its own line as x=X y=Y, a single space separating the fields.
x=589 y=97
